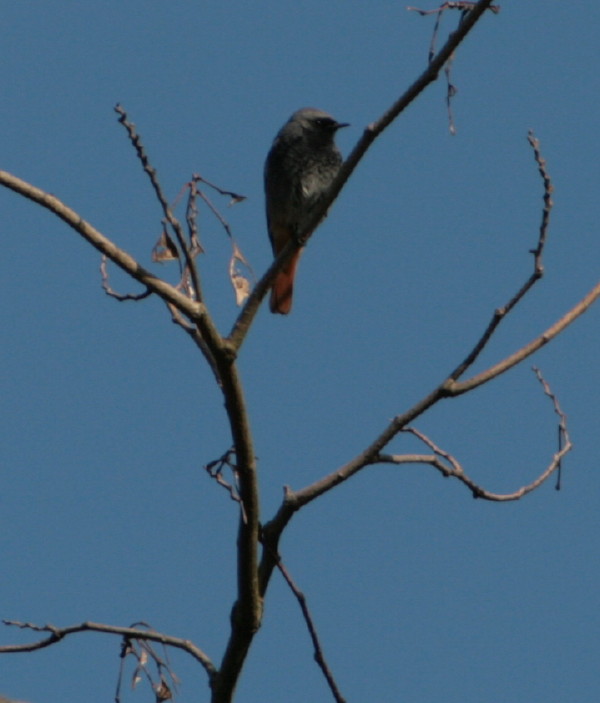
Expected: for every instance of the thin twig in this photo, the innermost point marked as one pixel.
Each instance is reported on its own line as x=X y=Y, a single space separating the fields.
x=192 y=309
x=215 y=470
x=536 y=275
x=191 y=217
x=235 y=197
x=168 y=213
x=453 y=468
x=450 y=93
x=318 y=649
x=548 y=203
x=241 y=285
x=564 y=438
x=59 y=633
x=112 y=293
x=452 y=6
x=214 y=210
x=454 y=388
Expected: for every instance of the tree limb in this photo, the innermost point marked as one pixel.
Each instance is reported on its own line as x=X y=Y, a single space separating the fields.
x=454 y=388
x=121 y=258
x=450 y=387
x=430 y=74
x=59 y=633
x=312 y=631
x=168 y=213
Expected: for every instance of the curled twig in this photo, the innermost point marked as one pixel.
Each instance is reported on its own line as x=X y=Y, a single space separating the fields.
x=112 y=293
x=465 y=8
x=215 y=470
x=450 y=467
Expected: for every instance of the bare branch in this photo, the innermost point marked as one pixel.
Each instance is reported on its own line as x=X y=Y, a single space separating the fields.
x=215 y=470
x=537 y=273
x=241 y=637
x=445 y=463
x=452 y=467
x=59 y=633
x=246 y=615
x=465 y=8
x=457 y=388
x=168 y=213
x=450 y=387
x=235 y=197
x=564 y=439
x=191 y=217
x=462 y=6
x=113 y=294
x=192 y=309
x=548 y=204
x=195 y=335
x=318 y=649
x=375 y=129
x=247 y=611
x=241 y=285
x=294 y=500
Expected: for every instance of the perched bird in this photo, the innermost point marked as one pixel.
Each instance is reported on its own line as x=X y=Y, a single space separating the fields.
x=299 y=169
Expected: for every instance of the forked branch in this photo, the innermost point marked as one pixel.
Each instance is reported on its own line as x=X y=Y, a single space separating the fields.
x=450 y=387
x=170 y=218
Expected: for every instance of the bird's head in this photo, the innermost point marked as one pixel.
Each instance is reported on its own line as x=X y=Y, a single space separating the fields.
x=315 y=125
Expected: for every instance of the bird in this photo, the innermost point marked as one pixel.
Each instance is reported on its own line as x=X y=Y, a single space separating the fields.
x=300 y=166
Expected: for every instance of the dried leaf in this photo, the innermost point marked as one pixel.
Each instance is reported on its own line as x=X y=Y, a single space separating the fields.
x=241 y=287
x=241 y=284
x=164 y=249
x=162 y=691
x=195 y=246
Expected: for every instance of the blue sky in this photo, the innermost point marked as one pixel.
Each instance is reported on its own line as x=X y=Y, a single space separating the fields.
x=419 y=592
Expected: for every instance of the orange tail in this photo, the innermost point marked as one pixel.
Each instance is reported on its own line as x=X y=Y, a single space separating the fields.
x=283 y=287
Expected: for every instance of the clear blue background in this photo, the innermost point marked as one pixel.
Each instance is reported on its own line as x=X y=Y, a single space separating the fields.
x=419 y=592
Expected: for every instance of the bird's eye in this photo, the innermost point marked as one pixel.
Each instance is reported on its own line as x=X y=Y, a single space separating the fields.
x=323 y=121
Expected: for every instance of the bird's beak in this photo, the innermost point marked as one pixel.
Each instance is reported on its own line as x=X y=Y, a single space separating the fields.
x=339 y=125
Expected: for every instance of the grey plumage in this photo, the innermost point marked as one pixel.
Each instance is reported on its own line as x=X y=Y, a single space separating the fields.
x=299 y=169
